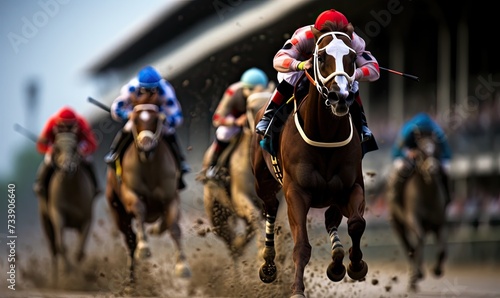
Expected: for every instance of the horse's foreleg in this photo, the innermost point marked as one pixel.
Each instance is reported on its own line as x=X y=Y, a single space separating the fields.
x=123 y=221
x=84 y=232
x=298 y=207
x=356 y=225
x=48 y=228
x=268 y=270
x=417 y=237
x=336 y=270
x=58 y=224
x=441 y=236
x=134 y=205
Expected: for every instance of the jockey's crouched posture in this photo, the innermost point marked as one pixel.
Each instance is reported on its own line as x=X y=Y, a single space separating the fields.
x=294 y=57
x=230 y=115
x=148 y=84
x=65 y=120
x=403 y=157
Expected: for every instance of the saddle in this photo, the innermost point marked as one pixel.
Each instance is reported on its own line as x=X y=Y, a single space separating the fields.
x=223 y=177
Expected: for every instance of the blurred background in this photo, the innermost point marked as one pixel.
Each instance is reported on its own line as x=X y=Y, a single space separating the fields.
x=59 y=52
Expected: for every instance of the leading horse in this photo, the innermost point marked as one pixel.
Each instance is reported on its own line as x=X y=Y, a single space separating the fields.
x=70 y=199
x=318 y=164
x=145 y=188
x=422 y=209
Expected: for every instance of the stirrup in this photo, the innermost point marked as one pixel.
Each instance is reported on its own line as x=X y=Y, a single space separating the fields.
x=110 y=158
x=366 y=134
x=211 y=172
x=263 y=125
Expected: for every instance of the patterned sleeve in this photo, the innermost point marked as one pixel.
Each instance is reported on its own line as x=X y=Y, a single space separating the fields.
x=368 y=70
x=295 y=50
x=171 y=106
x=122 y=106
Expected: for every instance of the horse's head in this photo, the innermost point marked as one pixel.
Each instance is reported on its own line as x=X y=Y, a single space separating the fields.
x=426 y=154
x=147 y=128
x=334 y=66
x=65 y=155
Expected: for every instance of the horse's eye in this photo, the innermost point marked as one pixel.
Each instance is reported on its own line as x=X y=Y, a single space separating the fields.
x=321 y=57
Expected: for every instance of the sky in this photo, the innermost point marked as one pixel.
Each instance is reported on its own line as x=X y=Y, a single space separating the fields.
x=52 y=42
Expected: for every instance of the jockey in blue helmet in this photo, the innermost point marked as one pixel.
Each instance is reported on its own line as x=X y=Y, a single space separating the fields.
x=147 y=86
x=230 y=115
x=403 y=157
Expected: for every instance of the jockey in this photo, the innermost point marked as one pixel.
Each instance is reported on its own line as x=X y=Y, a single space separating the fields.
x=295 y=57
x=65 y=120
x=230 y=115
x=403 y=155
x=148 y=84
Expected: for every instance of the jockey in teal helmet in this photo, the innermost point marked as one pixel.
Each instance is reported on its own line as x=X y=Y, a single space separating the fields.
x=147 y=85
x=230 y=115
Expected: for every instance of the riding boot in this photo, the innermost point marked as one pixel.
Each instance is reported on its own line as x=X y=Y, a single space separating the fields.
x=279 y=97
x=120 y=142
x=366 y=133
x=40 y=187
x=220 y=146
x=93 y=176
x=181 y=162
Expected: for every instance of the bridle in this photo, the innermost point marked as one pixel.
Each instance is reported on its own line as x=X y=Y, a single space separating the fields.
x=338 y=49
x=146 y=140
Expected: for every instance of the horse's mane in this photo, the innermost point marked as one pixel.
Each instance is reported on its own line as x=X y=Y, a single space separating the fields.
x=331 y=26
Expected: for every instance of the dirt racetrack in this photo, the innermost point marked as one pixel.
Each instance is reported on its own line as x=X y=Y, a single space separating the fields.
x=472 y=270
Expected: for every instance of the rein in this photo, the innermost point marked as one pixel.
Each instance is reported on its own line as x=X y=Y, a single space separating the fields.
x=320 y=144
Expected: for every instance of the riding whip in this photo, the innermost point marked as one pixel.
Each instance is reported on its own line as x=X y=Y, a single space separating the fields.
x=99 y=104
x=415 y=78
x=25 y=132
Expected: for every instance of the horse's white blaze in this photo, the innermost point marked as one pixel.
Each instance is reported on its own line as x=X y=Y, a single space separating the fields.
x=144 y=115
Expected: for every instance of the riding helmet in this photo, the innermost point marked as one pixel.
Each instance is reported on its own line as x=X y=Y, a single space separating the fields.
x=149 y=77
x=253 y=77
x=331 y=15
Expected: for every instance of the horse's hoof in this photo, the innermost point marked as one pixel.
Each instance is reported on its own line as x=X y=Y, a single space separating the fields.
x=335 y=272
x=359 y=274
x=268 y=273
x=143 y=251
x=182 y=270
x=438 y=272
x=298 y=295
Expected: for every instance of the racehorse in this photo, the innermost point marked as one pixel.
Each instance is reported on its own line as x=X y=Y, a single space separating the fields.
x=69 y=202
x=145 y=188
x=232 y=198
x=422 y=210
x=318 y=164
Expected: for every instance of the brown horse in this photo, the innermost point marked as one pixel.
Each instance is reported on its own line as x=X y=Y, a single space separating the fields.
x=422 y=210
x=228 y=201
x=146 y=189
x=70 y=200
x=318 y=164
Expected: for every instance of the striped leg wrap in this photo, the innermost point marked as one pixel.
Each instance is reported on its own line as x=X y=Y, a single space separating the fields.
x=270 y=230
x=334 y=238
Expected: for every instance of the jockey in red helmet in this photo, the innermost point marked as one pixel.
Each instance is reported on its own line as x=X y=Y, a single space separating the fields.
x=64 y=120
x=294 y=57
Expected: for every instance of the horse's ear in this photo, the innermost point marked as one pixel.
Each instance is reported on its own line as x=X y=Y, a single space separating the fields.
x=316 y=33
x=350 y=29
